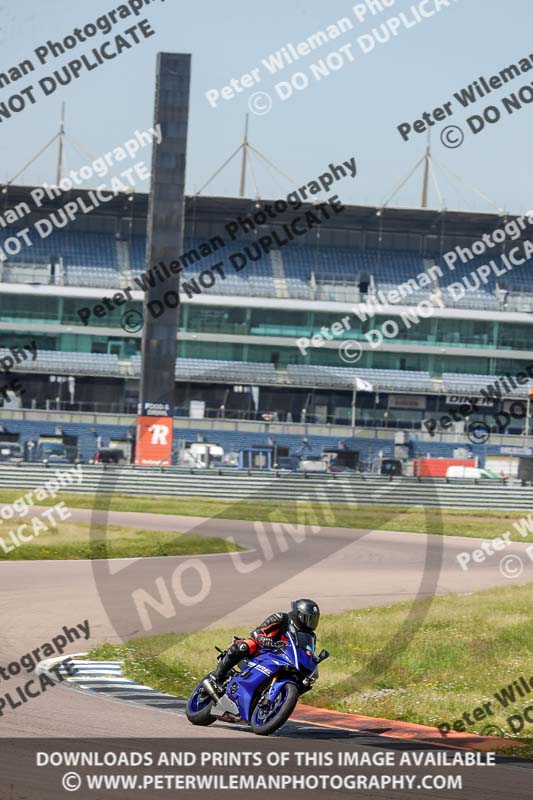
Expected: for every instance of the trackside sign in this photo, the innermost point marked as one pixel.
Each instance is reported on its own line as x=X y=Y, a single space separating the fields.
x=154 y=435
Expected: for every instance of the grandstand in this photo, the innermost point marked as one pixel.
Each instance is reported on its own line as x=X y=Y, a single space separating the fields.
x=237 y=350
x=298 y=272
x=208 y=370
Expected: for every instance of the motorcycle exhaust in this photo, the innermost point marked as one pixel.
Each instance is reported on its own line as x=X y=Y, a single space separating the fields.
x=211 y=690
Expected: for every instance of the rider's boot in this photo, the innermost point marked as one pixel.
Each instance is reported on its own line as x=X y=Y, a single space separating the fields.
x=215 y=680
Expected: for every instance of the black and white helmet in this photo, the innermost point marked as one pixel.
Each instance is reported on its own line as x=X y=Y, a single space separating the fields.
x=305 y=614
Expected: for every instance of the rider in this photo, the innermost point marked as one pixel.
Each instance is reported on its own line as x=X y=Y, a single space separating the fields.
x=304 y=616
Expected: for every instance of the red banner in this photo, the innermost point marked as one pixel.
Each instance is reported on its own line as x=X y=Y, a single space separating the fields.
x=154 y=441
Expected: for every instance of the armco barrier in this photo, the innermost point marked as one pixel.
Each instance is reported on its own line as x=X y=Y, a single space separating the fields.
x=236 y=485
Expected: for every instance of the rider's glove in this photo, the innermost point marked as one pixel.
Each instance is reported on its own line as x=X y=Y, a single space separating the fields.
x=266 y=642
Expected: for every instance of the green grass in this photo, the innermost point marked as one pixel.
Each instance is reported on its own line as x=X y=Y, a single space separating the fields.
x=452 y=522
x=468 y=647
x=79 y=540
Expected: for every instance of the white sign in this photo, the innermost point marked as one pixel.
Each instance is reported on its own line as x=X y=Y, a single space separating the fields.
x=197 y=409
x=461 y=400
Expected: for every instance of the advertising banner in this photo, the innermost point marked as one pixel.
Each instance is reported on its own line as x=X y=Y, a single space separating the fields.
x=154 y=441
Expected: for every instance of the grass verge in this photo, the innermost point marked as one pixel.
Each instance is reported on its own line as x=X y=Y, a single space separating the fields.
x=468 y=649
x=79 y=540
x=452 y=522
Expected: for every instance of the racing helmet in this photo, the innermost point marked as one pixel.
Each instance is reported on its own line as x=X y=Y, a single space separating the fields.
x=305 y=614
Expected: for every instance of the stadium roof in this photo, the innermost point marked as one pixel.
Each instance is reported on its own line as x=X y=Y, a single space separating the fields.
x=217 y=210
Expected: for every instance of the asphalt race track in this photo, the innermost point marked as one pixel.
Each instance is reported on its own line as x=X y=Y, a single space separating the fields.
x=347 y=569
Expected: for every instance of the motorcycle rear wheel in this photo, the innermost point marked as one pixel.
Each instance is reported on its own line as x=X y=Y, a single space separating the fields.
x=264 y=722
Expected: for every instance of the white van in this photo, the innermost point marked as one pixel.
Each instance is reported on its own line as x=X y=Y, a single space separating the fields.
x=313 y=464
x=471 y=473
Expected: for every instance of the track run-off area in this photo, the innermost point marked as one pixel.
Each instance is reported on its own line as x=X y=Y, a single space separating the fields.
x=345 y=568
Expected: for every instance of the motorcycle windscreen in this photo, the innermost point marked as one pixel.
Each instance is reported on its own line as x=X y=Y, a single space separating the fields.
x=306 y=642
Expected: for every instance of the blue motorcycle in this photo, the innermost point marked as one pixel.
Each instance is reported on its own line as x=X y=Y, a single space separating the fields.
x=261 y=691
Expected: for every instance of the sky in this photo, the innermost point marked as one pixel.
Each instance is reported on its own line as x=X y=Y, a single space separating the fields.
x=353 y=112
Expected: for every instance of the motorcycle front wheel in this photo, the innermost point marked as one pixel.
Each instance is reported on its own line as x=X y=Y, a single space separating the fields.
x=267 y=716
x=199 y=707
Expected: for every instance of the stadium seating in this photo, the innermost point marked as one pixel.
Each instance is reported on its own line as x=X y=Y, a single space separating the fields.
x=137 y=249
x=80 y=249
x=89 y=259
x=196 y=369
x=319 y=272
x=238 y=372
x=343 y=377
x=259 y=272
x=76 y=275
x=472 y=384
x=54 y=361
x=206 y=369
x=331 y=267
